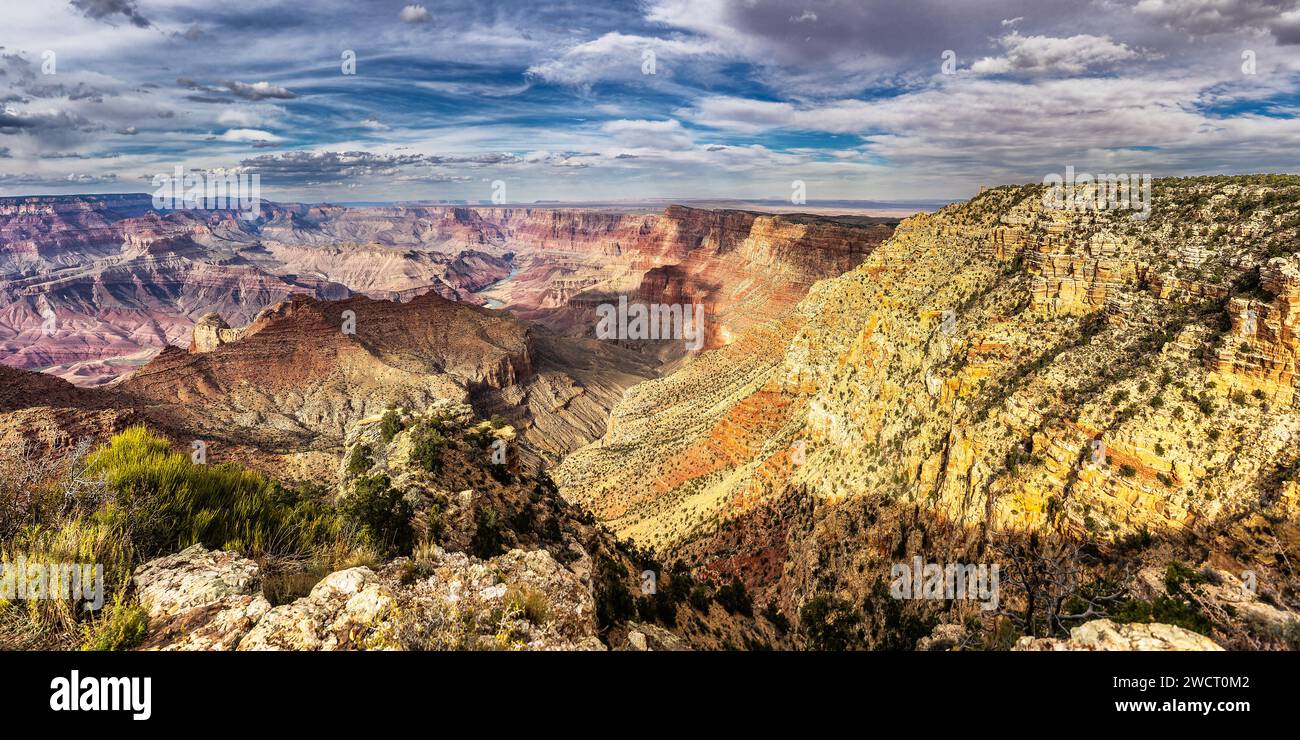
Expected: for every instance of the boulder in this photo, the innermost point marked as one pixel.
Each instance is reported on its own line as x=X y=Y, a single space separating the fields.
x=334 y=616
x=1103 y=634
x=199 y=599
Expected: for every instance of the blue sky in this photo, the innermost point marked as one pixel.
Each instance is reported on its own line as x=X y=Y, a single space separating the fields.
x=651 y=99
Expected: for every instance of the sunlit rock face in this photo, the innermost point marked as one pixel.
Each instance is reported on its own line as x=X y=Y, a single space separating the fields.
x=996 y=366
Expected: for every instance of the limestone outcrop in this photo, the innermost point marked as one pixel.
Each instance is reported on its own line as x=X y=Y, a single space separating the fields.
x=210 y=600
x=199 y=599
x=212 y=331
x=1105 y=635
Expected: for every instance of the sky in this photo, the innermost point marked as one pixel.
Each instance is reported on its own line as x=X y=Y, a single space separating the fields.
x=328 y=100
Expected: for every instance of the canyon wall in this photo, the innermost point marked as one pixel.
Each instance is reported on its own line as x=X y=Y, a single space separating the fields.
x=995 y=367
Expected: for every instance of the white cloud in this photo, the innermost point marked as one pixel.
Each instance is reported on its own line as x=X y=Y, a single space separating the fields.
x=668 y=134
x=618 y=56
x=414 y=14
x=249 y=117
x=1038 y=54
x=250 y=135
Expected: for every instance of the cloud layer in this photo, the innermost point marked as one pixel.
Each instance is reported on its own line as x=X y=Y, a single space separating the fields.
x=871 y=99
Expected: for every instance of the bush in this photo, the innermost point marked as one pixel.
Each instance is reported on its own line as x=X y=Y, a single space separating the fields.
x=614 y=603
x=390 y=425
x=121 y=627
x=1162 y=609
x=488 y=540
x=700 y=598
x=832 y=624
x=531 y=604
x=168 y=503
x=426 y=448
x=772 y=614
x=380 y=515
x=359 y=461
x=144 y=500
x=735 y=599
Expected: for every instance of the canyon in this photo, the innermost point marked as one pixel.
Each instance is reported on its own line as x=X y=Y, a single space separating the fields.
x=105 y=291
x=91 y=287
x=996 y=381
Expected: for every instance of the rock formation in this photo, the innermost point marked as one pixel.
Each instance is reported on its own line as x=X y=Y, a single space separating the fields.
x=997 y=367
x=1103 y=634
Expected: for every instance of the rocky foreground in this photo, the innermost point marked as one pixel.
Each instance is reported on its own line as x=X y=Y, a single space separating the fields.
x=203 y=600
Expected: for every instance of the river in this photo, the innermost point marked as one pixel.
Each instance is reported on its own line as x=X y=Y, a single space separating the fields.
x=492 y=302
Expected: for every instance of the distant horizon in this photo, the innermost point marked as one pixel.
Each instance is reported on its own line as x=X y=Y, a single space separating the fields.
x=785 y=206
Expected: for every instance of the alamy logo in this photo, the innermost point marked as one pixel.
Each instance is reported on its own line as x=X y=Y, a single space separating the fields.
x=921 y=580
x=653 y=321
x=1085 y=192
x=95 y=694
x=24 y=581
x=213 y=191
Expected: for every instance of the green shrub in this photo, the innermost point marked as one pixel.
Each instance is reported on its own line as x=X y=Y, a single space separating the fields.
x=614 y=602
x=167 y=503
x=120 y=627
x=380 y=515
x=359 y=461
x=733 y=597
x=154 y=501
x=772 y=614
x=426 y=448
x=390 y=425
x=488 y=540
x=530 y=603
x=1162 y=609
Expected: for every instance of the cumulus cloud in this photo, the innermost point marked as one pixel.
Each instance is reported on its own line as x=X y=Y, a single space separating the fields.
x=745 y=92
x=414 y=14
x=313 y=168
x=249 y=116
x=634 y=134
x=16 y=122
x=1045 y=54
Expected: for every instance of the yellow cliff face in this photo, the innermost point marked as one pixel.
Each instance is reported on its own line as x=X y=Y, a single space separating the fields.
x=996 y=365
